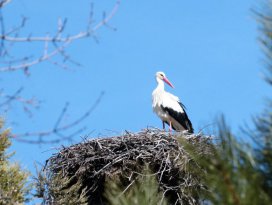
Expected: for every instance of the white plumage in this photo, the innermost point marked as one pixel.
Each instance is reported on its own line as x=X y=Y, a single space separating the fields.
x=168 y=107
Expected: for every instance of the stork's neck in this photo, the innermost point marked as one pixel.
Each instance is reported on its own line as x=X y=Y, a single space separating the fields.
x=160 y=86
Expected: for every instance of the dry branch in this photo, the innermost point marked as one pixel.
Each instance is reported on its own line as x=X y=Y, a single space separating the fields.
x=8 y=99
x=80 y=171
x=59 y=129
x=54 y=51
x=56 y=42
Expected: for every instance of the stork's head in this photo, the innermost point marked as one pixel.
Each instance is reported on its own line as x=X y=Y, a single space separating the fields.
x=160 y=76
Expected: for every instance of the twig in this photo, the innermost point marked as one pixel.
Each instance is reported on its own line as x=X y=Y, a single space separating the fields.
x=12 y=97
x=126 y=188
x=54 y=40
x=58 y=129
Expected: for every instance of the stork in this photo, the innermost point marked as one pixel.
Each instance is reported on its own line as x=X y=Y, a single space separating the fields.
x=169 y=108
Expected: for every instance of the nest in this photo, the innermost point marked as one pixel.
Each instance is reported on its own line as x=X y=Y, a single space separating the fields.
x=81 y=171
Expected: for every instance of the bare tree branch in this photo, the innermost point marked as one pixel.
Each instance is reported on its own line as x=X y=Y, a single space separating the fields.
x=27 y=103
x=10 y=98
x=54 y=51
x=61 y=26
x=2 y=26
x=58 y=129
x=26 y=65
x=57 y=38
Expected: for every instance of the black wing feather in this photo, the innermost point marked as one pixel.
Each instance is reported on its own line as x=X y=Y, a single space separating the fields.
x=181 y=118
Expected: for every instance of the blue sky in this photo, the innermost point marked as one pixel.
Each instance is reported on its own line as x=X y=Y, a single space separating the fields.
x=208 y=50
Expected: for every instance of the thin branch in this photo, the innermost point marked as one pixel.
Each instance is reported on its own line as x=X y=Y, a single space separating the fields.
x=10 y=98
x=64 y=110
x=27 y=103
x=79 y=35
x=58 y=129
x=83 y=117
x=57 y=38
x=18 y=28
x=43 y=58
x=2 y=26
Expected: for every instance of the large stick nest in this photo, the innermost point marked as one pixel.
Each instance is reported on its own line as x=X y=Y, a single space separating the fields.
x=80 y=171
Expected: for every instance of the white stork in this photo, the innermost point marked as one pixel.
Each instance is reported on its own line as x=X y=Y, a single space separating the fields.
x=169 y=108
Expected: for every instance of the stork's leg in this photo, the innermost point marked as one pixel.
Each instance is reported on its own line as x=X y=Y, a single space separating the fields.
x=170 y=127
x=163 y=125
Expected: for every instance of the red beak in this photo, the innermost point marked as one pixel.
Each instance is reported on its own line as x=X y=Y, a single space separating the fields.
x=168 y=82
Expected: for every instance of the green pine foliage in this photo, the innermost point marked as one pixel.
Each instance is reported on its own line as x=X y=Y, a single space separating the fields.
x=69 y=193
x=263 y=137
x=264 y=17
x=232 y=175
x=144 y=190
x=13 y=180
x=263 y=134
